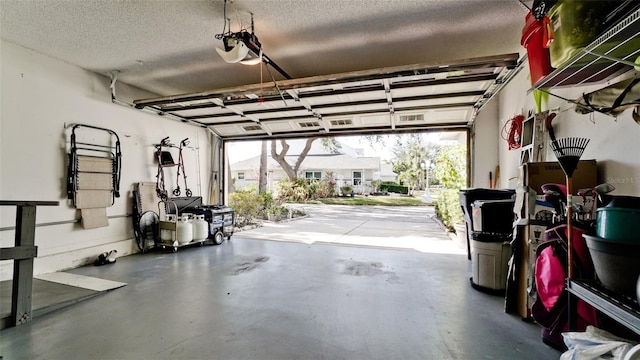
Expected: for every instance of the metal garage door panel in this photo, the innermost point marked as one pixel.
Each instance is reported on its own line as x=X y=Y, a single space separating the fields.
x=434 y=102
x=280 y=126
x=359 y=121
x=346 y=98
x=441 y=89
x=356 y=108
x=282 y=114
x=358 y=101
x=449 y=115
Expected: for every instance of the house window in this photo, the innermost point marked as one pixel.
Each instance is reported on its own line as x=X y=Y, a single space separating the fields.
x=240 y=176
x=313 y=176
x=357 y=178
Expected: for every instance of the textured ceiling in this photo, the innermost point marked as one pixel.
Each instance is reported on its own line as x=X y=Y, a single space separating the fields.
x=168 y=47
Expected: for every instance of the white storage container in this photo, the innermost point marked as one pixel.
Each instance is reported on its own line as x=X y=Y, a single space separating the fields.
x=490 y=263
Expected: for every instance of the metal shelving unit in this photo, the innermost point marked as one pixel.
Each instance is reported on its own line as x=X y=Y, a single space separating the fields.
x=609 y=56
x=622 y=309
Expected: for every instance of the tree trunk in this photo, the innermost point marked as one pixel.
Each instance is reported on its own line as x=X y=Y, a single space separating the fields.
x=262 y=178
x=291 y=171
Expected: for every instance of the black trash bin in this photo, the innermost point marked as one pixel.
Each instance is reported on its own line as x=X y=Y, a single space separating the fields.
x=493 y=216
x=469 y=196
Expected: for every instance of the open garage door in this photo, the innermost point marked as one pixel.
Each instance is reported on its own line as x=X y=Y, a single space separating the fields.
x=380 y=101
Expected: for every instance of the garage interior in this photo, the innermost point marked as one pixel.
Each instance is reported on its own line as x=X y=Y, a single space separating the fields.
x=150 y=70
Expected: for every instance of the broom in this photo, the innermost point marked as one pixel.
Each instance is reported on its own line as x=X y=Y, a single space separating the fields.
x=568 y=151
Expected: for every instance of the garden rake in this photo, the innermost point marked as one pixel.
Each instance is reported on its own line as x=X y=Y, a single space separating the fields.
x=568 y=151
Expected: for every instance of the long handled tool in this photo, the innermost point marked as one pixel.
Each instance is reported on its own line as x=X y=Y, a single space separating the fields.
x=568 y=151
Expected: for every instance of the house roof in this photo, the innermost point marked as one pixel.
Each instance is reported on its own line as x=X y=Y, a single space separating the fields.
x=317 y=148
x=315 y=162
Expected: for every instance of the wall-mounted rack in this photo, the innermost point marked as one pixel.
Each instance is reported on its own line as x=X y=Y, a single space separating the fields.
x=609 y=56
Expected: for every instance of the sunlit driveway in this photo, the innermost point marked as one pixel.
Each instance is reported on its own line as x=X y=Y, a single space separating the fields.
x=403 y=227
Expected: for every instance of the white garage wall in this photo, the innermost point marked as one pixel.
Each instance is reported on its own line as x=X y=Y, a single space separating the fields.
x=484 y=158
x=41 y=97
x=614 y=142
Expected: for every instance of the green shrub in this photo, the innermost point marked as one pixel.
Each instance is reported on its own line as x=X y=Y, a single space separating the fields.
x=326 y=187
x=248 y=189
x=447 y=207
x=284 y=189
x=292 y=190
x=247 y=206
x=312 y=190
x=267 y=199
x=375 y=184
x=346 y=190
x=394 y=188
x=301 y=190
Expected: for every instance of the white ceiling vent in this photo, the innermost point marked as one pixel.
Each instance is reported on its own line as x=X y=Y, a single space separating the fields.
x=343 y=122
x=309 y=124
x=252 y=127
x=411 y=118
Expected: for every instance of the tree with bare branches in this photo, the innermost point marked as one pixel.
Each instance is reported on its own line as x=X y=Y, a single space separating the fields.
x=291 y=171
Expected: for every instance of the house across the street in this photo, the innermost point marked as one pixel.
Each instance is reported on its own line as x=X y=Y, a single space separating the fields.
x=346 y=165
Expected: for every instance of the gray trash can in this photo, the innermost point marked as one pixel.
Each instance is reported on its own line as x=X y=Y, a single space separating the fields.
x=469 y=196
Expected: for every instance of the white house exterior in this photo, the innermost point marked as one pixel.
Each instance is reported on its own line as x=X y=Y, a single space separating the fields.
x=347 y=168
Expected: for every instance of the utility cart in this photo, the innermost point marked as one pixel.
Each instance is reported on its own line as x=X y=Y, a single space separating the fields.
x=174 y=232
x=220 y=218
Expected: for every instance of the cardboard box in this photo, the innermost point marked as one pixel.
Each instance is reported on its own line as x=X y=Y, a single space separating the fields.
x=534 y=175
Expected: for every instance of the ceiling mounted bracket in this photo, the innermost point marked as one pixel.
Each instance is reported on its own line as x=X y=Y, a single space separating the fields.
x=112 y=86
x=243 y=47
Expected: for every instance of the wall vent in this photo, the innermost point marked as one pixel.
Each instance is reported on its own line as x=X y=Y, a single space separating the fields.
x=309 y=124
x=410 y=118
x=252 y=127
x=343 y=122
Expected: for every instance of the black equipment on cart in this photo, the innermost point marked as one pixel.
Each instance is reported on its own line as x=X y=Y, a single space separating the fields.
x=219 y=217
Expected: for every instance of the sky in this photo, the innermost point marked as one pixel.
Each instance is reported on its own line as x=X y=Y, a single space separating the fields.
x=242 y=150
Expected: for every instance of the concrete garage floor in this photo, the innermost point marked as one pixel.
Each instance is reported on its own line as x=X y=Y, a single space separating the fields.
x=256 y=299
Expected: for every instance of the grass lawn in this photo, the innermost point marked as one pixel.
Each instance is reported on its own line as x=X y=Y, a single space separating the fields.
x=374 y=200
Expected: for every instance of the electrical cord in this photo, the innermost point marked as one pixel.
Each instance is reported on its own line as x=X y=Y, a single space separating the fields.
x=513 y=135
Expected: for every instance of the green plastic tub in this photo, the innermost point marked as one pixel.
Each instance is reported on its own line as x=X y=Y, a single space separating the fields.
x=576 y=23
x=618 y=224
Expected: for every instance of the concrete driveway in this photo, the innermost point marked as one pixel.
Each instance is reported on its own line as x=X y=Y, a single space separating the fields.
x=402 y=227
